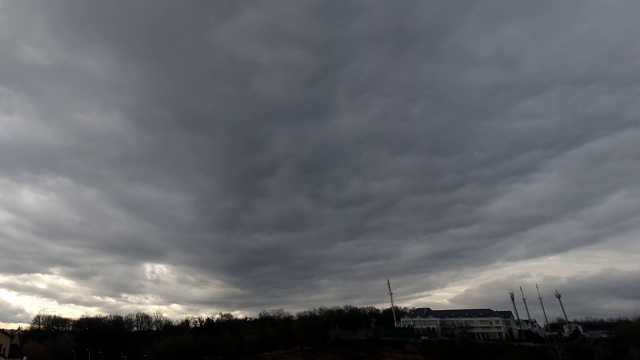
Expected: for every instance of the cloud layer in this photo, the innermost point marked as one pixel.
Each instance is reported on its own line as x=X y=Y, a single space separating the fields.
x=237 y=156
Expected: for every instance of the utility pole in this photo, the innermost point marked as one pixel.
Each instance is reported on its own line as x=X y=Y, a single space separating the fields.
x=526 y=308
x=559 y=297
x=546 y=321
x=515 y=308
x=393 y=310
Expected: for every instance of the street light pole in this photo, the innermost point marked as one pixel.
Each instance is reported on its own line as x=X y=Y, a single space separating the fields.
x=89 y=352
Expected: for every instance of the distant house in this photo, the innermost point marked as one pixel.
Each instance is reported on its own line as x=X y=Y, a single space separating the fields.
x=479 y=324
x=10 y=348
x=5 y=344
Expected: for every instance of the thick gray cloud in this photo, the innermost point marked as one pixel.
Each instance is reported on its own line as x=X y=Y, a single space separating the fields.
x=12 y=314
x=605 y=294
x=236 y=156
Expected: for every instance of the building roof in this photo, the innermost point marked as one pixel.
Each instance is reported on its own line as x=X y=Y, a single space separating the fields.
x=458 y=313
x=505 y=314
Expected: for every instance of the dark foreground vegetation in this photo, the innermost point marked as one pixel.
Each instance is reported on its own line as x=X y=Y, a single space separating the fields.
x=325 y=333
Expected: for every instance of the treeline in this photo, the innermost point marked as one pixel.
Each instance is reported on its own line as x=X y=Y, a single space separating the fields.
x=141 y=335
x=612 y=324
x=592 y=323
x=325 y=332
x=135 y=321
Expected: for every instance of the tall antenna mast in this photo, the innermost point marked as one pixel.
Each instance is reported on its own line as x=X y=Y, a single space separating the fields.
x=525 y=306
x=546 y=321
x=393 y=310
x=559 y=297
x=513 y=301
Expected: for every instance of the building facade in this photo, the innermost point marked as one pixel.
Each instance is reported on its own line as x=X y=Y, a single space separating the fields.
x=10 y=348
x=479 y=324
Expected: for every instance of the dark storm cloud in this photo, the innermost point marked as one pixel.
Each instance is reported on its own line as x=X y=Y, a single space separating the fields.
x=299 y=153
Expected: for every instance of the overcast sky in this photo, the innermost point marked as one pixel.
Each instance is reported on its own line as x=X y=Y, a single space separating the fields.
x=198 y=157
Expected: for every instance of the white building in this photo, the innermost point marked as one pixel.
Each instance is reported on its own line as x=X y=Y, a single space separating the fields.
x=532 y=326
x=480 y=324
x=569 y=328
